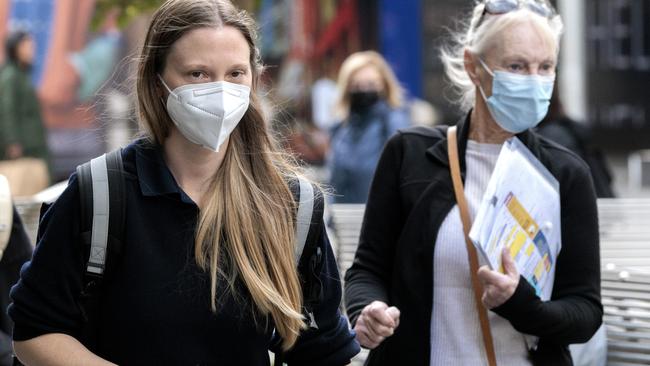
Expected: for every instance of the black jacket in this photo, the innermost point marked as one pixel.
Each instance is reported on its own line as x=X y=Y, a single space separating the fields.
x=411 y=195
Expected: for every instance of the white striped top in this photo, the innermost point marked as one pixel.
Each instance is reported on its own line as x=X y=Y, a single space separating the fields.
x=456 y=337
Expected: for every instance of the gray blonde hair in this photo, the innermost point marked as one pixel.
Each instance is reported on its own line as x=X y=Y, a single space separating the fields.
x=476 y=36
x=357 y=61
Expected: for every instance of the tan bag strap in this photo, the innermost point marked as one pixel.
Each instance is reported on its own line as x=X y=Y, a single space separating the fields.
x=454 y=165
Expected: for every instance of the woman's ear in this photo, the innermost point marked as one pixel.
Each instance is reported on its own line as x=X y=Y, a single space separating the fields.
x=471 y=66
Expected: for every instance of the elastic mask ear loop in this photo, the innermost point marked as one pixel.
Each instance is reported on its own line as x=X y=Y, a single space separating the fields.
x=485 y=66
x=166 y=87
x=480 y=87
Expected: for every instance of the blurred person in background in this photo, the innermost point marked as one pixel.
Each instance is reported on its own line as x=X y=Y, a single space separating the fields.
x=409 y=293
x=369 y=110
x=17 y=250
x=558 y=127
x=21 y=128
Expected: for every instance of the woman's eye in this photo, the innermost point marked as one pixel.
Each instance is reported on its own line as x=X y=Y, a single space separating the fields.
x=236 y=74
x=197 y=74
x=515 y=67
x=548 y=68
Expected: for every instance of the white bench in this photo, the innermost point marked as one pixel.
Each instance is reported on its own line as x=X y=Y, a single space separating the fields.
x=626 y=300
x=625 y=258
x=625 y=233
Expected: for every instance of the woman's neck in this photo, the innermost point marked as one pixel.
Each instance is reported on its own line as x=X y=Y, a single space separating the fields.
x=483 y=128
x=192 y=166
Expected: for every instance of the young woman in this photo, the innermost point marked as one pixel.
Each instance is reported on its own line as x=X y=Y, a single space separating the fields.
x=207 y=273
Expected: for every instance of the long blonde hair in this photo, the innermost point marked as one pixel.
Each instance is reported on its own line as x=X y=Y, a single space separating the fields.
x=356 y=62
x=246 y=226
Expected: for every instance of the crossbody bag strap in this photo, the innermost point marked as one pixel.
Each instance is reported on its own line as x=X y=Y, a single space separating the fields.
x=454 y=165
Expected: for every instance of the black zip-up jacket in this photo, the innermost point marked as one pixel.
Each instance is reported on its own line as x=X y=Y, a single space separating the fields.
x=411 y=195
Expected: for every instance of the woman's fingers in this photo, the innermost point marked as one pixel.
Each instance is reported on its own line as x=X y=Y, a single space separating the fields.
x=364 y=337
x=499 y=287
x=509 y=265
x=394 y=313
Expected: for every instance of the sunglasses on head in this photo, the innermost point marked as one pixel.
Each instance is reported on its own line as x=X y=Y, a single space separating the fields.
x=497 y=7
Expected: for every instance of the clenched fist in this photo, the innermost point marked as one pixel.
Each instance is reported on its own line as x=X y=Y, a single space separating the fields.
x=376 y=322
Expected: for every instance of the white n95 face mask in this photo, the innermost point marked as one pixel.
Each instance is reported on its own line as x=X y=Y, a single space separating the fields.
x=207 y=113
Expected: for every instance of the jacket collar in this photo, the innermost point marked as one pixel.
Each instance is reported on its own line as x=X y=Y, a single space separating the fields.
x=153 y=174
x=438 y=151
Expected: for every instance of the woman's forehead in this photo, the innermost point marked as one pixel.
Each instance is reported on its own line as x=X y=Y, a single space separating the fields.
x=367 y=72
x=527 y=41
x=211 y=45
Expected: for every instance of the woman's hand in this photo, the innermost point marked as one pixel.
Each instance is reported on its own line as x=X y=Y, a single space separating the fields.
x=376 y=322
x=499 y=287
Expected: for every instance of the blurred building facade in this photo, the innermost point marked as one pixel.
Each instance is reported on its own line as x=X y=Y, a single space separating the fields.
x=603 y=76
x=604 y=68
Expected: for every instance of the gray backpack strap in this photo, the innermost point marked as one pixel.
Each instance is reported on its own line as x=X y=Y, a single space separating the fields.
x=303 y=218
x=101 y=211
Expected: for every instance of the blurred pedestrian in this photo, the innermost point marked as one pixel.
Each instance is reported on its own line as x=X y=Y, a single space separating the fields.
x=558 y=127
x=21 y=127
x=369 y=110
x=23 y=145
x=17 y=250
x=412 y=295
x=207 y=272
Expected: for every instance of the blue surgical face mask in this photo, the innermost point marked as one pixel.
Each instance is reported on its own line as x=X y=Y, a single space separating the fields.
x=518 y=102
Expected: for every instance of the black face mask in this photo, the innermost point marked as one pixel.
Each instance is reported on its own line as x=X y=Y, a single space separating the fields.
x=362 y=100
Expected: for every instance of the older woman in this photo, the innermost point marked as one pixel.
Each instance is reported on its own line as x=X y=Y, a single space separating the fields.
x=409 y=292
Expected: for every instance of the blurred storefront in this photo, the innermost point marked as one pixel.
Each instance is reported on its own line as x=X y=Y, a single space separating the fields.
x=72 y=65
x=604 y=68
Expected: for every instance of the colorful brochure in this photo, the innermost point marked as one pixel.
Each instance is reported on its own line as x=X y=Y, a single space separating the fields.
x=520 y=211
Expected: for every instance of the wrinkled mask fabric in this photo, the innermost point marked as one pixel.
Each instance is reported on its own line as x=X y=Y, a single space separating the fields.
x=518 y=102
x=207 y=113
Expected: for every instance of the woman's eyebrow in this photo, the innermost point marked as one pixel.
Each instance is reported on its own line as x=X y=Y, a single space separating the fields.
x=239 y=66
x=194 y=65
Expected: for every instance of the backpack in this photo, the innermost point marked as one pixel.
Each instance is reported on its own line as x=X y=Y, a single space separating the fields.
x=103 y=210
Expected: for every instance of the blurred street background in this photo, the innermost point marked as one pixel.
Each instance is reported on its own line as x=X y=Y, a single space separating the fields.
x=86 y=50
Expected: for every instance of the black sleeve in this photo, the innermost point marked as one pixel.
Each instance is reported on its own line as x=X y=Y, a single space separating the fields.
x=18 y=251
x=575 y=312
x=368 y=279
x=45 y=300
x=332 y=343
